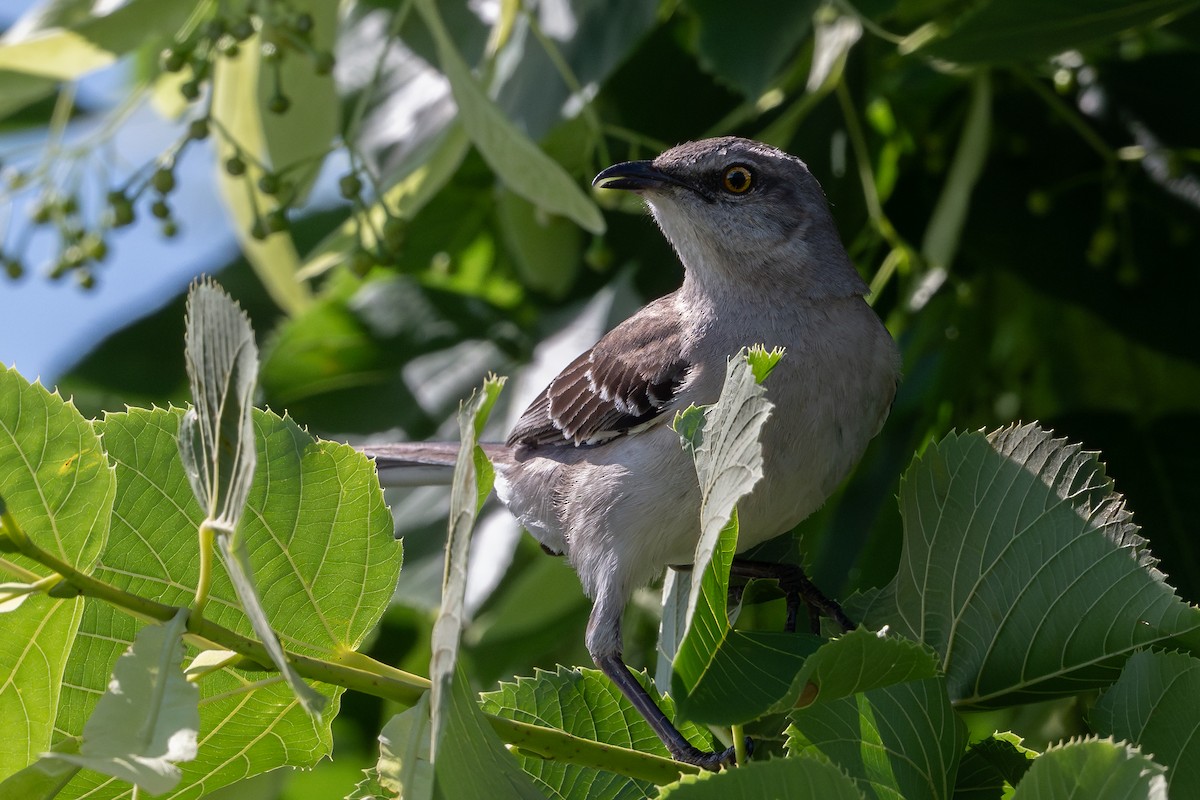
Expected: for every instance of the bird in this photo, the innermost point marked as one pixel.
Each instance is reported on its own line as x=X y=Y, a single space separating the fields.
x=593 y=468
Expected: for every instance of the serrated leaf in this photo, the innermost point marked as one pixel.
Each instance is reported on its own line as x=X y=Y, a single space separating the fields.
x=56 y=483
x=855 y=662
x=404 y=765
x=466 y=489
x=776 y=778
x=148 y=719
x=584 y=703
x=369 y=788
x=216 y=445
x=1098 y=769
x=899 y=741
x=470 y=760
x=321 y=541
x=1155 y=704
x=1023 y=569
x=518 y=162
x=992 y=767
x=216 y=438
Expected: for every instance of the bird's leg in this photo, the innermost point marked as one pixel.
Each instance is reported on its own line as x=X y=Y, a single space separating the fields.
x=796 y=587
x=603 y=641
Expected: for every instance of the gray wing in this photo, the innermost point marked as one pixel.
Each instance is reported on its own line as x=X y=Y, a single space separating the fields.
x=628 y=379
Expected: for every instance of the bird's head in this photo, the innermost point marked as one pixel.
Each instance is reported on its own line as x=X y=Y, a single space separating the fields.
x=741 y=211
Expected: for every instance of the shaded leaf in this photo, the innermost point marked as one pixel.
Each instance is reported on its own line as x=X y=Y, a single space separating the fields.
x=898 y=741
x=731 y=31
x=855 y=662
x=584 y=703
x=1155 y=704
x=1029 y=30
x=44 y=778
x=1098 y=769
x=992 y=767
x=1023 y=569
x=777 y=778
x=512 y=156
x=148 y=719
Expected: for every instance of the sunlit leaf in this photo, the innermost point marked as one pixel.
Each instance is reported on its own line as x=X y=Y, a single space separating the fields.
x=992 y=767
x=56 y=483
x=326 y=562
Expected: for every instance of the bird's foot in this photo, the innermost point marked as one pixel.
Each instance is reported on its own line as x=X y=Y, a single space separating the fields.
x=711 y=761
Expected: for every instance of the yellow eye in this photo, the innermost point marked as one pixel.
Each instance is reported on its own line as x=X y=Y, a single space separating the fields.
x=738 y=179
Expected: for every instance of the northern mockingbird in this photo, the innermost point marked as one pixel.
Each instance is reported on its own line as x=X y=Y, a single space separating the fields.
x=593 y=469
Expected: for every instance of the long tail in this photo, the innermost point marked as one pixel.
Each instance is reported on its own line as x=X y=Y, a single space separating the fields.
x=418 y=463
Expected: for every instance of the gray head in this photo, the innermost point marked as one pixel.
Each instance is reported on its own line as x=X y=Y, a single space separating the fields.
x=742 y=212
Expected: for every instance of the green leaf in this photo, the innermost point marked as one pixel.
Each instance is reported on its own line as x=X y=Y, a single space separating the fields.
x=546 y=249
x=720 y=675
x=321 y=541
x=898 y=741
x=1023 y=569
x=855 y=662
x=148 y=719
x=44 y=778
x=583 y=703
x=292 y=145
x=369 y=788
x=216 y=445
x=992 y=767
x=746 y=44
x=776 y=778
x=470 y=760
x=1098 y=769
x=1028 y=30
x=55 y=49
x=1155 y=704
x=216 y=438
x=55 y=481
x=404 y=765
x=468 y=485
x=511 y=155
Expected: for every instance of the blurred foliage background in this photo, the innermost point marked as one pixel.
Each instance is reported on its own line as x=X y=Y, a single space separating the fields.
x=1020 y=181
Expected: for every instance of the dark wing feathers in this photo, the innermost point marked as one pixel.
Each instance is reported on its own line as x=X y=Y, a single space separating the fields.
x=629 y=378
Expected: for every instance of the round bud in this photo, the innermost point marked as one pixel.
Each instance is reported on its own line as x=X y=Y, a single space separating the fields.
x=170 y=229
x=350 y=186
x=160 y=209
x=163 y=180
x=268 y=184
x=190 y=90
x=198 y=128
x=235 y=166
x=242 y=30
x=279 y=104
x=323 y=62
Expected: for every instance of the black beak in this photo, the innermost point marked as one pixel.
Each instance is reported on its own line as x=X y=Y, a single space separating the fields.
x=636 y=176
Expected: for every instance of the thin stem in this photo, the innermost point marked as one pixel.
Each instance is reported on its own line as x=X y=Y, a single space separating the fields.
x=360 y=107
x=741 y=753
x=204 y=581
x=356 y=671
